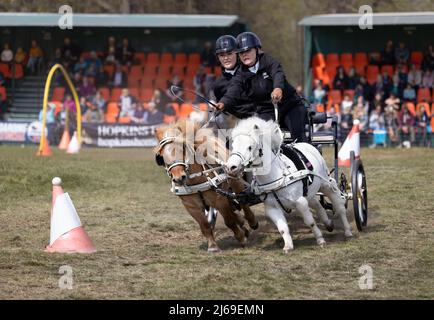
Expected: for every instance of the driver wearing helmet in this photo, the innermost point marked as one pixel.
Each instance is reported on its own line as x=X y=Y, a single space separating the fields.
x=259 y=79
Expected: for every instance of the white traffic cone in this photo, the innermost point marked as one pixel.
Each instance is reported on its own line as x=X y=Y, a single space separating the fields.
x=66 y=232
x=74 y=146
x=352 y=143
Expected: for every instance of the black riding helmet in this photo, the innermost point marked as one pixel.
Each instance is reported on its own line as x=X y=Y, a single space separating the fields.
x=226 y=43
x=247 y=41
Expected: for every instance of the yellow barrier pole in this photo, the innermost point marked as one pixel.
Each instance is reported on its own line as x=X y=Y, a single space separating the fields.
x=45 y=103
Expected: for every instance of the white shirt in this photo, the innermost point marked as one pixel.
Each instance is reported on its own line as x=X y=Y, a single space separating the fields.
x=255 y=68
x=232 y=72
x=7 y=56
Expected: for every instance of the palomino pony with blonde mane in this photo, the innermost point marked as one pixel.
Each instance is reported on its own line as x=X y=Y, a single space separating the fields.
x=187 y=153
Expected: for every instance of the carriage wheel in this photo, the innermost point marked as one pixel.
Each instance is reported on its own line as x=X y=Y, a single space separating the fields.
x=360 y=194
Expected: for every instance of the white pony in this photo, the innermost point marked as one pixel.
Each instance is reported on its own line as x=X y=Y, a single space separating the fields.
x=256 y=147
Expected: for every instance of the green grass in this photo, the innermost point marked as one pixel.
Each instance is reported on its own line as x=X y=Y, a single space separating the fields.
x=150 y=248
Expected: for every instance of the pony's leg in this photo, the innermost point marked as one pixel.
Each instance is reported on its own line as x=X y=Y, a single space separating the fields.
x=276 y=215
x=237 y=187
x=196 y=211
x=231 y=219
x=332 y=192
x=316 y=205
x=303 y=207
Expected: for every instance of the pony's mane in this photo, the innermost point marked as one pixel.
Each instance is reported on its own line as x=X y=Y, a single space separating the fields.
x=246 y=127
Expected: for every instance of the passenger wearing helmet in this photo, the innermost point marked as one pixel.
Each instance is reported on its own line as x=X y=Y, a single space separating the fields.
x=261 y=79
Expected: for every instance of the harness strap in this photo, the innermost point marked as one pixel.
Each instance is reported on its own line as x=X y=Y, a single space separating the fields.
x=280 y=203
x=203 y=200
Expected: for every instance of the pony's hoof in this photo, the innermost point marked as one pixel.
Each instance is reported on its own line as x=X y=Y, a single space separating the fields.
x=330 y=227
x=214 y=250
x=287 y=250
x=321 y=243
x=256 y=226
x=348 y=235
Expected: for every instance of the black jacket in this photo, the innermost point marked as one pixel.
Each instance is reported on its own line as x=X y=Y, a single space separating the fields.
x=257 y=88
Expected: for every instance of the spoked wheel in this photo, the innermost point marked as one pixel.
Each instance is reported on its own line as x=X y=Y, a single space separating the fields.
x=211 y=216
x=360 y=194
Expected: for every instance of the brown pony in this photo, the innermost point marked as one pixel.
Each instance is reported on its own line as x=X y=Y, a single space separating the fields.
x=186 y=172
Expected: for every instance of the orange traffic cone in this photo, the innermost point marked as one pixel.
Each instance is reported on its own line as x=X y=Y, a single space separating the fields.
x=66 y=233
x=74 y=146
x=44 y=150
x=64 y=142
x=352 y=143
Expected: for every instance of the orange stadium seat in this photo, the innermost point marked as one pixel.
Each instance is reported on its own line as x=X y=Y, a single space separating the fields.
x=134 y=81
x=185 y=110
x=319 y=107
x=180 y=59
x=175 y=107
x=335 y=96
x=350 y=93
x=17 y=71
x=423 y=94
x=388 y=69
x=3 y=94
x=147 y=83
x=161 y=82
x=136 y=71
x=347 y=61
x=332 y=60
x=166 y=59
x=360 y=59
x=146 y=94
x=109 y=69
x=58 y=93
x=178 y=70
x=372 y=74
x=164 y=71
x=134 y=92
x=150 y=71
x=318 y=60
x=105 y=93
x=153 y=59
x=416 y=58
x=124 y=120
x=4 y=69
x=112 y=112
x=140 y=58
x=116 y=93
x=193 y=59
x=411 y=108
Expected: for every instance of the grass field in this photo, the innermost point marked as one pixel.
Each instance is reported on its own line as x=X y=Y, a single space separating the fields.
x=150 y=248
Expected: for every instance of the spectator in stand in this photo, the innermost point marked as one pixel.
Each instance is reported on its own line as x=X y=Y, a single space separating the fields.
x=162 y=103
x=422 y=127
x=99 y=102
x=427 y=79
x=207 y=57
x=20 y=56
x=94 y=61
x=401 y=75
x=77 y=80
x=111 y=43
x=367 y=89
x=125 y=52
x=406 y=125
x=391 y=124
x=347 y=102
x=409 y=94
x=378 y=101
x=50 y=121
x=395 y=87
x=138 y=115
x=376 y=119
x=84 y=105
x=127 y=104
x=393 y=101
x=80 y=66
x=319 y=94
x=7 y=56
x=91 y=71
x=414 y=77
x=340 y=81
x=378 y=85
x=70 y=53
x=428 y=59
x=387 y=83
x=87 y=88
x=35 y=57
x=353 y=79
x=361 y=113
x=346 y=123
x=199 y=81
x=388 y=54
x=175 y=81
x=94 y=113
x=119 y=77
x=153 y=115
x=69 y=104
x=111 y=56
x=402 y=54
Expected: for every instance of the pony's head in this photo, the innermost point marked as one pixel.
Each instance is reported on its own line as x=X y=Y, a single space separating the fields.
x=251 y=139
x=173 y=151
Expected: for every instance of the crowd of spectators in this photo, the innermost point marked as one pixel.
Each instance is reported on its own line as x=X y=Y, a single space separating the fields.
x=389 y=109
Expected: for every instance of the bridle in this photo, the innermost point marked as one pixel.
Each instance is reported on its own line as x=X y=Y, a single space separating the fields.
x=246 y=163
x=185 y=147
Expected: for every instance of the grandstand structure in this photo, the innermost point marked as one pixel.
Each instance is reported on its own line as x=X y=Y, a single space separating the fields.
x=165 y=45
x=334 y=40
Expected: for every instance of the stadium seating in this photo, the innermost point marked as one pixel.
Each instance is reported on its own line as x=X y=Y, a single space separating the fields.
x=387 y=69
x=58 y=93
x=332 y=60
x=3 y=94
x=372 y=74
x=423 y=94
x=318 y=60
